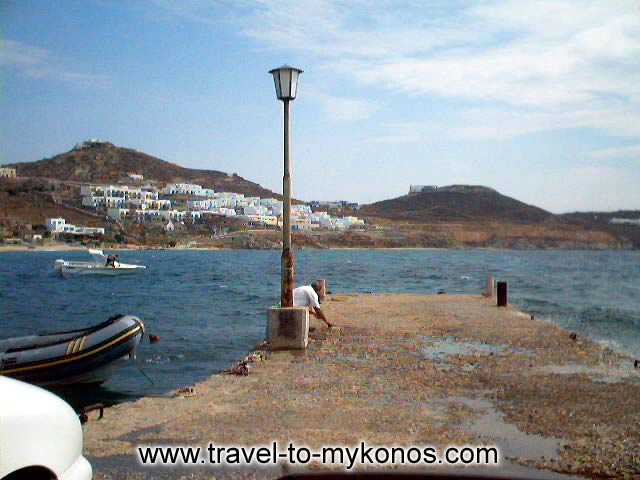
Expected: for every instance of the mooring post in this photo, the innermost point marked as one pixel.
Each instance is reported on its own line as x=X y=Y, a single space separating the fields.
x=502 y=294
x=491 y=285
x=322 y=283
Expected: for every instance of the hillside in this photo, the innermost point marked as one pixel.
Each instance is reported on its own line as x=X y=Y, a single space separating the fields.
x=33 y=202
x=94 y=162
x=457 y=203
x=602 y=221
x=450 y=217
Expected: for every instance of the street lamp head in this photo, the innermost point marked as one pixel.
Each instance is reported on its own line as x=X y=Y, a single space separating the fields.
x=286 y=81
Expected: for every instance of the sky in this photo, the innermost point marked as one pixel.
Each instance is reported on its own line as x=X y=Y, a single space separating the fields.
x=537 y=99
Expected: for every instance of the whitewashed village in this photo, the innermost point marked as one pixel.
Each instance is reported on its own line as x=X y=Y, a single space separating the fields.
x=139 y=201
x=135 y=200
x=180 y=202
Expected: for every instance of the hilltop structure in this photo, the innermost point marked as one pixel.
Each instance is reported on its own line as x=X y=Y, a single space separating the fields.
x=7 y=172
x=414 y=189
x=91 y=143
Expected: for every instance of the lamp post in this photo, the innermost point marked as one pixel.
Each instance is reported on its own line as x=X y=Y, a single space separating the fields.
x=286 y=82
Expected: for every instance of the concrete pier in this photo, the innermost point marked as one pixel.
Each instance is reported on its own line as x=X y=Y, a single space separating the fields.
x=400 y=370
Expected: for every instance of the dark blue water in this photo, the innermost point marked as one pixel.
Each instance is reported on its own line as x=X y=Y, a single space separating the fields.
x=209 y=307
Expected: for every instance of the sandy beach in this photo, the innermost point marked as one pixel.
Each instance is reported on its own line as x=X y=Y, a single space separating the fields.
x=63 y=247
x=401 y=370
x=41 y=248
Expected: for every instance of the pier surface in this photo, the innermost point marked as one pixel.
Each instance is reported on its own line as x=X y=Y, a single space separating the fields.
x=404 y=370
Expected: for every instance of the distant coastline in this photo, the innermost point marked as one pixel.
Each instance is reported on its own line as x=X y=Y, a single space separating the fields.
x=89 y=190
x=76 y=248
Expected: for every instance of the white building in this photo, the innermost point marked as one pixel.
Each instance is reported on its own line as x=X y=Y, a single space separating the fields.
x=253 y=201
x=121 y=196
x=55 y=225
x=255 y=210
x=207 y=204
x=269 y=202
x=6 y=172
x=188 y=189
x=117 y=213
x=92 y=142
x=149 y=204
x=276 y=210
x=322 y=219
x=174 y=215
x=123 y=191
x=227 y=212
x=91 y=231
x=413 y=189
x=147 y=214
x=261 y=220
x=300 y=209
x=125 y=201
x=230 y=199
x=625 y=221
x=301 y=223
x=59 y=225
x=93 y=202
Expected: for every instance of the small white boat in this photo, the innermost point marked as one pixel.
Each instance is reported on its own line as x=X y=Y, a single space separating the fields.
x=99 y=266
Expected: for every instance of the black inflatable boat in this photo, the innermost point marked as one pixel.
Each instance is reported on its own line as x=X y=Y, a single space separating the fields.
x=75 y=357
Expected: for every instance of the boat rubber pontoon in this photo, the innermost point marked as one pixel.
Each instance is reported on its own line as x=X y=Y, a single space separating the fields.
x=98 y=266
x=75 y=357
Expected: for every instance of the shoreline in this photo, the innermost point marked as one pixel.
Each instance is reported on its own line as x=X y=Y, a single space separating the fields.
x=75 y=248
x=451 y=374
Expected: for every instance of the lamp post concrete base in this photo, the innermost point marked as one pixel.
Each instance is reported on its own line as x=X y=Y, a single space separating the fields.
x=288 y=328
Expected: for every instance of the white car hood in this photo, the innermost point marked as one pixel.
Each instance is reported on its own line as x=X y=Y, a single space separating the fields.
x=36 y=428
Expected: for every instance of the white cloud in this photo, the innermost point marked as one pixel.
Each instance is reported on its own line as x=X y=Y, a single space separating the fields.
x=36 y=62
x=344 y=109
x=408 y=132
x=599 y=188
x=529 y=66
x=630 y=152
x=492 y=123
x=548 y=65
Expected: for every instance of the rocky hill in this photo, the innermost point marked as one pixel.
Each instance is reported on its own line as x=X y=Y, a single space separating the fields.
x=453 y=216
x=97 y=161
x=32 y=202
x=457 y=203
x=602 y=221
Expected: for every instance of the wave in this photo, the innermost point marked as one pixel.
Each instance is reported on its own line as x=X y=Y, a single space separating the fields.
x=538 y=304
x=606 y=316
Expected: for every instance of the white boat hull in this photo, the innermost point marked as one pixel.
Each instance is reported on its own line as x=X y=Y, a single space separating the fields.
x=98 y=267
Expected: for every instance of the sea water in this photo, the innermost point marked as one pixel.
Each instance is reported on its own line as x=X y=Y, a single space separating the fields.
x=209 y=307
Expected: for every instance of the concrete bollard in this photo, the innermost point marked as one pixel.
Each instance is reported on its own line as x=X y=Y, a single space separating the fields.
x=502 y=294
x=491 y=285
x=288 y=328
x=322 y=283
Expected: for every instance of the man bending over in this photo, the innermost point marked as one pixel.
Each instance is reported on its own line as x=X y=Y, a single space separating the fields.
x=307 y=296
